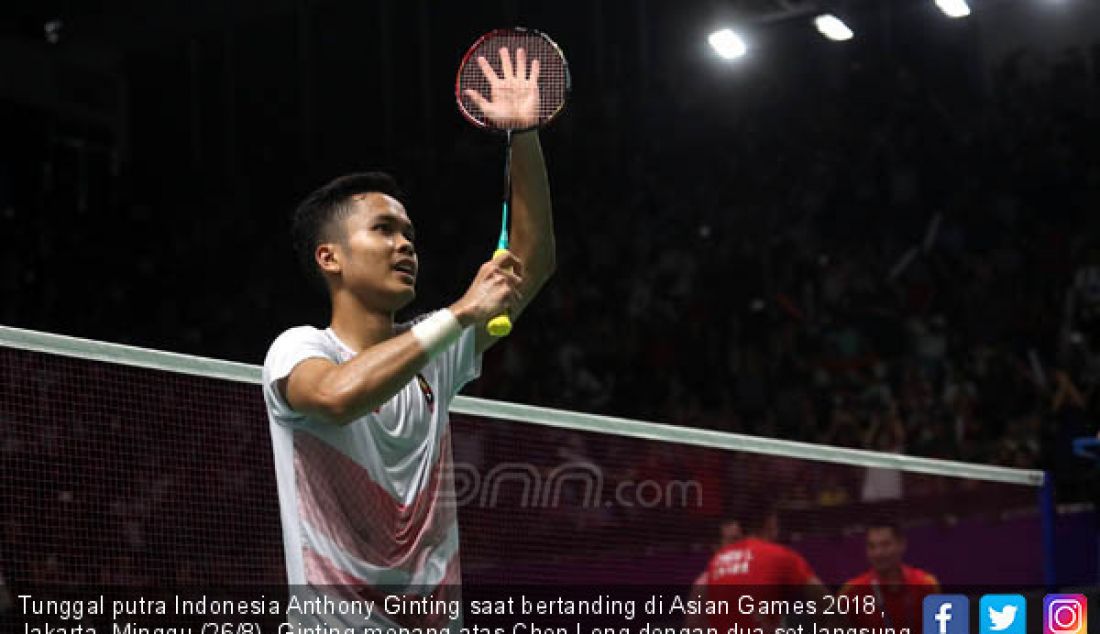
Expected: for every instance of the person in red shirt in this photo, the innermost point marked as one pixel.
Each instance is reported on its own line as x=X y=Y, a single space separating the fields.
x=728 y=532
x=898 y=590
x=755 y=569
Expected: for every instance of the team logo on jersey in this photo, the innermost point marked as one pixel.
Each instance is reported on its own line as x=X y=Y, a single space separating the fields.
x=426 y=390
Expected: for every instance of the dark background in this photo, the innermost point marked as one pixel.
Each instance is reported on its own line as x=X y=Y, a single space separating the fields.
x=889 y=243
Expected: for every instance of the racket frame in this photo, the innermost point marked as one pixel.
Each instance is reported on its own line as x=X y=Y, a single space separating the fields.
x=568 y=80
x=501 y=325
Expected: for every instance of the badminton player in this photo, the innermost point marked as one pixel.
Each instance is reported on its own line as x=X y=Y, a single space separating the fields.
x=756 y=566
x=898 y=589
x=728 y=532
x=358 y=410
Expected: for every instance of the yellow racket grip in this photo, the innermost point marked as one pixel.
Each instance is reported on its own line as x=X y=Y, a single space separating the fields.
x=500 y=325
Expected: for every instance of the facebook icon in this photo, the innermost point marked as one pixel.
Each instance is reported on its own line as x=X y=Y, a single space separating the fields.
x=946 y=614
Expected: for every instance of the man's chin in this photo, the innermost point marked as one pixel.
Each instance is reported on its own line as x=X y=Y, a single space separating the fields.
x=392 y=300
x=404 y=298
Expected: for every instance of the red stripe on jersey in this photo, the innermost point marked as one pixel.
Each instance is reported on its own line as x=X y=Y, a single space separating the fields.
x=338 y=582
x=341 y=501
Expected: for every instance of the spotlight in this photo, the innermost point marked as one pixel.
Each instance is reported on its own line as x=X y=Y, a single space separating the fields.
x=727 y=44
x=833 y=28
x=954 y=8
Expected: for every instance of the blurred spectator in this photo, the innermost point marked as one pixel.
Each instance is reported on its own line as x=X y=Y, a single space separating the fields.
x=898 y=590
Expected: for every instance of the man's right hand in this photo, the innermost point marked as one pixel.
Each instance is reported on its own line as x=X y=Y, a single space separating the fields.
x=494 y=291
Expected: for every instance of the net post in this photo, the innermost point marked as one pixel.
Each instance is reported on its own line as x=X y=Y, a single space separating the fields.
x=1047 y=519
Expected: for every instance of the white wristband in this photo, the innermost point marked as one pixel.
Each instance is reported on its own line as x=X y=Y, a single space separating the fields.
x=437 y=332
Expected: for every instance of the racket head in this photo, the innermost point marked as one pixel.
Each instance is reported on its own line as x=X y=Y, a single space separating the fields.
x=554 y=82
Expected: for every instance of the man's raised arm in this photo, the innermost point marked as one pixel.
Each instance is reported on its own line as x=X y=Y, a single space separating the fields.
x=532 y=233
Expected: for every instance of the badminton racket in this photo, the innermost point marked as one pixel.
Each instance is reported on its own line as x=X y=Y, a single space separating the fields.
x=511 y=80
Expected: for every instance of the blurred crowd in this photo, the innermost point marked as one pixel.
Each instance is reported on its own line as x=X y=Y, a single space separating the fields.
x=892 y=273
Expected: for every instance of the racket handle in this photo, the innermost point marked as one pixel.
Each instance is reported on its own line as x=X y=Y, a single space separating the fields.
x=500 y=325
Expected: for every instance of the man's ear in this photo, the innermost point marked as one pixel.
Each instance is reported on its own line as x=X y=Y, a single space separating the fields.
x=327 y=257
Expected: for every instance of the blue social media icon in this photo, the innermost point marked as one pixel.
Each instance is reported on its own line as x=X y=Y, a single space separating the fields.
x=1002 y=614
x=946 y=614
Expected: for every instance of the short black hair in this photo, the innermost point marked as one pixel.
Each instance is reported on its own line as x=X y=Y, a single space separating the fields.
x=889 y=524
x=315 y=217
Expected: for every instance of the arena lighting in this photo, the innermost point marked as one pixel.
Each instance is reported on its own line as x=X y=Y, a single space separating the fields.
x=727 y=44
x=954 y=8
x=833 y=28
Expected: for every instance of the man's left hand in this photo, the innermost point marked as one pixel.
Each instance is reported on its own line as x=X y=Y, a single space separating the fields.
x=514 y=96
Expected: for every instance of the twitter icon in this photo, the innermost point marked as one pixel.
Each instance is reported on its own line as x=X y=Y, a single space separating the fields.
x=1002 y=614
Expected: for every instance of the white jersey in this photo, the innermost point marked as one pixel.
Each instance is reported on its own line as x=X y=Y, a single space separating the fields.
x=370 y=503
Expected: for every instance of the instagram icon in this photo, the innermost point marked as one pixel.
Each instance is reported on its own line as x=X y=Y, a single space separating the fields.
x=1065 y=614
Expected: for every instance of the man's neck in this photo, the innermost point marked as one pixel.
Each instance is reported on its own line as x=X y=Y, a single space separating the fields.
x=358 y=326
x=891 y=575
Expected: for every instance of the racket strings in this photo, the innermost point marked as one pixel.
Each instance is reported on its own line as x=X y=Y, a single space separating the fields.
x=553 y=76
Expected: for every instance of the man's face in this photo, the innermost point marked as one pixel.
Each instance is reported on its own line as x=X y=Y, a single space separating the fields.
x=885 y=548
x=376 y=259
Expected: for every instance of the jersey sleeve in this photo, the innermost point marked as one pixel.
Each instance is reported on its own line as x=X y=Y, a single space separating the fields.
x=286 y=352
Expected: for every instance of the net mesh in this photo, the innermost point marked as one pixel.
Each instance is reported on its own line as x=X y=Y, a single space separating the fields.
x=559 y=506
x=115 y=475
x=121 y=475
x=552 y=75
